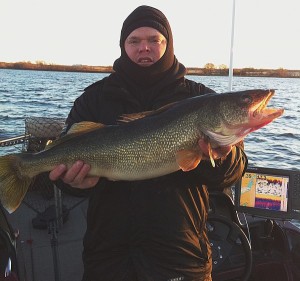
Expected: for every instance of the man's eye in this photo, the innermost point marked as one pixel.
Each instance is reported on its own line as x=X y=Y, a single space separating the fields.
x=133 y=42
x=156 y=41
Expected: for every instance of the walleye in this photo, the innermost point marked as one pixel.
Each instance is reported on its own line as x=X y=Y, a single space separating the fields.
x=145 y=145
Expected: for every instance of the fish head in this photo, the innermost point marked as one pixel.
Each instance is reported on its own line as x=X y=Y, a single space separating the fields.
x=240 y=113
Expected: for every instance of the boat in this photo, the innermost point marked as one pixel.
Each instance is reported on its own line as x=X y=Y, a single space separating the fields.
x=250 y=241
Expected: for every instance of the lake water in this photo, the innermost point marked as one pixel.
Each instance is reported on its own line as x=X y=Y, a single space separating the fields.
x=51 y=94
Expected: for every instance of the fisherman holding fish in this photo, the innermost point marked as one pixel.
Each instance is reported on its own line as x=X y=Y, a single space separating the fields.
x=147 y=145
x=150 y=229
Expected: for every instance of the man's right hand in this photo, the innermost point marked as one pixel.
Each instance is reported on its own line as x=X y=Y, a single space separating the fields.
x=76 y=176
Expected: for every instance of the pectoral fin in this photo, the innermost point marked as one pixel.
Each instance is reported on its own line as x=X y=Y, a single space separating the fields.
x=188 y=159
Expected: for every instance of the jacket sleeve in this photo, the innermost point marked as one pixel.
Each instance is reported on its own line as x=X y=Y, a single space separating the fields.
x=227 y=171
x=84 y=106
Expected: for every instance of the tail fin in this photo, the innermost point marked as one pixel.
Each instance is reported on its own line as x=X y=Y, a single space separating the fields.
x=13 y=185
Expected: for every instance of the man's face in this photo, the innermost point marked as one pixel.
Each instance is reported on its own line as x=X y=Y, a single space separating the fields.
x=145 y=46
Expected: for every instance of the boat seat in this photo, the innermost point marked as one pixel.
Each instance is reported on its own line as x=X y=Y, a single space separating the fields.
x=222 y=204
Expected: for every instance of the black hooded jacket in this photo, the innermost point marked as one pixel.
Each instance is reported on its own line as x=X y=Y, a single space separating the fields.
x=151 y=229
x=154 y=227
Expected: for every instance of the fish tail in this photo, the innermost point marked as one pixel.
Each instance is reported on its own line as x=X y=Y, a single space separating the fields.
x=13 y=185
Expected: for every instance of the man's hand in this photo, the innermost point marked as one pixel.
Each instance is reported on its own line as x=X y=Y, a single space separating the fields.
x=76 y=176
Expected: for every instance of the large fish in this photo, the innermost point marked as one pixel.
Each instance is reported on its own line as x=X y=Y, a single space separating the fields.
x=147 y=145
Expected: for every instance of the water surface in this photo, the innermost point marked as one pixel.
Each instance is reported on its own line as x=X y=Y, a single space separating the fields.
x=25 y=93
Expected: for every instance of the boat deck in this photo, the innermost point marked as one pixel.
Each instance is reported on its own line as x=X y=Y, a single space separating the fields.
x=45 y=250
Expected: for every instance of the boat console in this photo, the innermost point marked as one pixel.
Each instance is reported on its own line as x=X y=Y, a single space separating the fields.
x=269 y=193
x=251 y=228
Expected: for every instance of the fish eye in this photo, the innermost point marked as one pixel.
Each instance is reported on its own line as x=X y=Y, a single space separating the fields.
x=246 y=99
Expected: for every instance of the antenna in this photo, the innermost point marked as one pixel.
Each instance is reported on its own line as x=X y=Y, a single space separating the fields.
x=231 y=47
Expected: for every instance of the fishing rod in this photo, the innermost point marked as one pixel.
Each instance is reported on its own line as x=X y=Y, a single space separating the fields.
x=38 y=129
x=15 y=140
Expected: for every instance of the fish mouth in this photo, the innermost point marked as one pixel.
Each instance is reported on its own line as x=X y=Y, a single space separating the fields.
x=261 y=115
x=258 y=115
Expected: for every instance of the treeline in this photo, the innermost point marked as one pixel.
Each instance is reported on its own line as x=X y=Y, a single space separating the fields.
x=252 y=72
x=55 y=67
x=208 y=70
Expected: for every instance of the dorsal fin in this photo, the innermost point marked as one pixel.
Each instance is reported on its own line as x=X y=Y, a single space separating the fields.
x=75 y=130
x=84 y=126
x=134 y=116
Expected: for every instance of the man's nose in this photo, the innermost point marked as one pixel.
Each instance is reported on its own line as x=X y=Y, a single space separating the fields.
x=144 y=46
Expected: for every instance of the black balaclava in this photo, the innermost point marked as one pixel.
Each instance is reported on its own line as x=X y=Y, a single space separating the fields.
x=166 y=66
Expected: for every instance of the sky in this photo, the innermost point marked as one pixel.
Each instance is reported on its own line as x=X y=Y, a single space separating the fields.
x=266 y=33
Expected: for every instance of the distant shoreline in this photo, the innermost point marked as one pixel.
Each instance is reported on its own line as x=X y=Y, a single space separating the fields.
x=209 y=71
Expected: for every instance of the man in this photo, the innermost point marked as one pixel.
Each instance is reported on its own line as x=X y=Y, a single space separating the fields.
x=151 y=229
